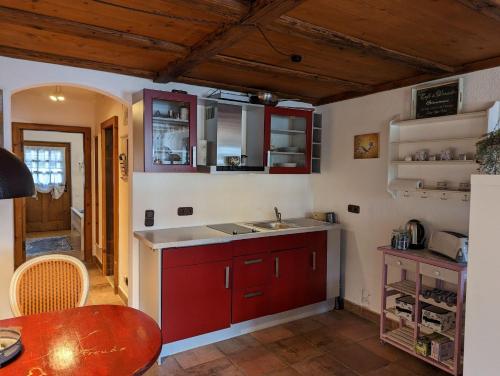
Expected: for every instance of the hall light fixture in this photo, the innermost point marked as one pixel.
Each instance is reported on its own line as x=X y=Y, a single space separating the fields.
x=57 y=96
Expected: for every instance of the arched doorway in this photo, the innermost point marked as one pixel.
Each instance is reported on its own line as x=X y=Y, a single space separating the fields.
x=36 y=115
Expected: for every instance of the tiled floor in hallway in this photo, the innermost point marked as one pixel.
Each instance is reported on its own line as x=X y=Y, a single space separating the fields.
x=335 y=343
x=100 y=291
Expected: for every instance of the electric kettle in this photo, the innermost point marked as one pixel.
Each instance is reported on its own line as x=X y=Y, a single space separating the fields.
x=416 y=234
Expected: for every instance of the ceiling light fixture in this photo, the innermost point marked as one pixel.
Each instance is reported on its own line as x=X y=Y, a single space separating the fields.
x=57 y=96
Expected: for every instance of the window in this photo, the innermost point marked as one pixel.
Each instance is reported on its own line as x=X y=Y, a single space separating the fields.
x=48 y=167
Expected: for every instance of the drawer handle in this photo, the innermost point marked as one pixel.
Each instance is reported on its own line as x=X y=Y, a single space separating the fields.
x=253 y=261
x=399 y=263
x=314 y=260
x=277 y=267
x=436 y=273
x=227 y=270
x=253 y=294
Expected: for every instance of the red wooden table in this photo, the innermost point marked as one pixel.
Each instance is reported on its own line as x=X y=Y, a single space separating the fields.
x=92 y=340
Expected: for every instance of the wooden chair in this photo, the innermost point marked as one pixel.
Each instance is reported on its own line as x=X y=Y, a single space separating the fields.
x=48 y=283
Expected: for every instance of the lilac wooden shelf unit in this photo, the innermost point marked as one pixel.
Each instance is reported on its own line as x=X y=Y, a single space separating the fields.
x=415 y=266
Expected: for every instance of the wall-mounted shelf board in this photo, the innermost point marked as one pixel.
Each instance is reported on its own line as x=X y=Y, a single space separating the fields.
x=442 y=119
x=457 y=139
x=435 y=163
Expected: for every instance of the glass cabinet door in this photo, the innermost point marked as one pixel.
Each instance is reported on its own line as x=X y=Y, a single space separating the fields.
x=289 y=140
x=173 y=132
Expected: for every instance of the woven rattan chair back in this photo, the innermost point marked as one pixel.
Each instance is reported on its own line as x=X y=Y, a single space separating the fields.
x=48 y=283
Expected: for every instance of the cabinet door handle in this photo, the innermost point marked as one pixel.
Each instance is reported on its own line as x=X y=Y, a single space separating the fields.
x=228 y=268
x=277 y=267
x=269 y=158
x=252 y=294
x=252 y=261
x=314 y=260
x=194 y=156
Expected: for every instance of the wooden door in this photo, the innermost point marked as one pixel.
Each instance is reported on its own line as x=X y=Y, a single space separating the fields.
x=110 y=198
x=45 y=213
x=196 y=299
x=289 y=285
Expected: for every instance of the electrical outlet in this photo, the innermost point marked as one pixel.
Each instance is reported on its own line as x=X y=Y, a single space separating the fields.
x=149 y=218
x=353 y=209
x=185 y=210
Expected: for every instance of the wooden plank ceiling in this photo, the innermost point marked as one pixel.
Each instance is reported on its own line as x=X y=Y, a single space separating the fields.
x=349 y=48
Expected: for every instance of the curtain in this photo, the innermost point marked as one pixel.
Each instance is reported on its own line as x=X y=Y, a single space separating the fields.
x=48 y=167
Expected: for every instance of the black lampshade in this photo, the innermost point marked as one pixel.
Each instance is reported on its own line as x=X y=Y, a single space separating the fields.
x=15 y=177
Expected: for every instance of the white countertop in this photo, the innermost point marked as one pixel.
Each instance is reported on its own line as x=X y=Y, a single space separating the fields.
x=202 y=235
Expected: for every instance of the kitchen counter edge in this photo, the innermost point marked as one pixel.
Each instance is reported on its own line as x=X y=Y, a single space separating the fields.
x=210 y=236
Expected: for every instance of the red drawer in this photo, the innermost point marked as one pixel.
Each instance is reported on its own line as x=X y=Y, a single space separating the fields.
x=250 y=303
x=251 y=271
x=250 y=246
x=174 y=257
x=278 y=243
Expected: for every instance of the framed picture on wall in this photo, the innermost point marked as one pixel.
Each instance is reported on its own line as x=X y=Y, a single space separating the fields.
x=366 y=146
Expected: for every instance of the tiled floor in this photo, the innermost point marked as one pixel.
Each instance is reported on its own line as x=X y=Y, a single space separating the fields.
x=100 y=291
x=334 y=343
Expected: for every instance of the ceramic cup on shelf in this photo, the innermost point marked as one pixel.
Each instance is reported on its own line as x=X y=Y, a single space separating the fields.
x=447 y=154
x=421 y=155
x=443 y=185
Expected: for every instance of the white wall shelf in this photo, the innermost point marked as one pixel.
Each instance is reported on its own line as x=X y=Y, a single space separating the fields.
x=460 y=133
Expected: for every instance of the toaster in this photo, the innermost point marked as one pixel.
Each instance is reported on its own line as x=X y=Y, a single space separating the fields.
x=450 y=244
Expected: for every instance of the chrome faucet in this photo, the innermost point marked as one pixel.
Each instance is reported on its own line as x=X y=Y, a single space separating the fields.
x=278 y=214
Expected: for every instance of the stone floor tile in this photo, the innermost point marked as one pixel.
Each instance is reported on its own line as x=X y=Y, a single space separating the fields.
x=200 y=355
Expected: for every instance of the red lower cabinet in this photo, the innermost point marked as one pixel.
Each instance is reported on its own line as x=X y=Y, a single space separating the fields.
x=201 y=293
x=289 y=285
x=196 y=300
x=316 y=281
x=252 y=278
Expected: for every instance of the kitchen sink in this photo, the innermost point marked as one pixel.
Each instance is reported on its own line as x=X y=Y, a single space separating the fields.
x=273 y=225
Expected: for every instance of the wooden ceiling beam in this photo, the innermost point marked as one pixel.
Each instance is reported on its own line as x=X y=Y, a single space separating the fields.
x=298 y=28
x=487 y=7
x=233 y=9
x=242 y=89
x=415 y=80
x=290 y=73
x=261 y=12
x=19 y=53
x=64 y=26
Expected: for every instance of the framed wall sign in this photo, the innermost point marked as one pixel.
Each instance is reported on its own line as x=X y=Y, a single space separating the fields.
x=437 y=99
x=366 y=146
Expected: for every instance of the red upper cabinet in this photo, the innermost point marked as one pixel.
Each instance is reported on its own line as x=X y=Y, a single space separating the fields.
x=164 y=131
x=287 y=140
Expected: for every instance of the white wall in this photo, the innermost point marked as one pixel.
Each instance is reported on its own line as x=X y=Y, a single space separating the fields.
x=346 y=181
x=31 y=107
x=482 y=306
x=77 y=171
